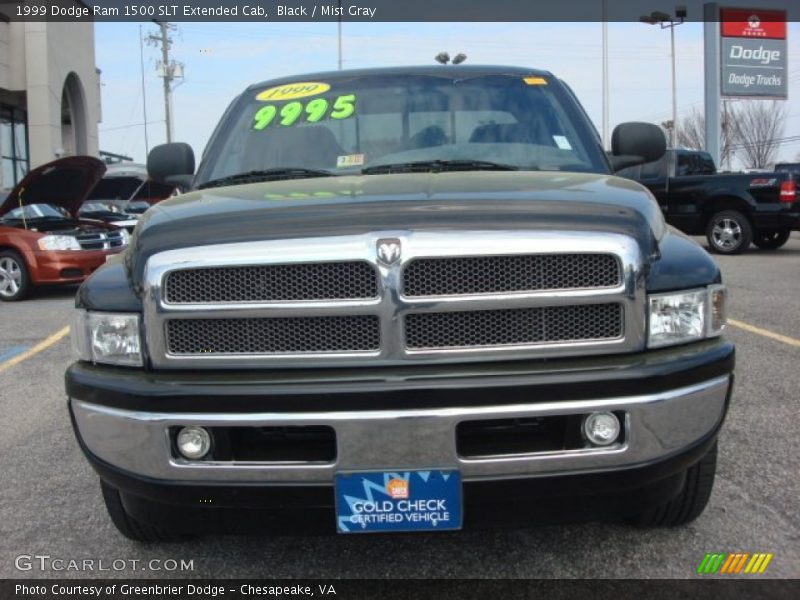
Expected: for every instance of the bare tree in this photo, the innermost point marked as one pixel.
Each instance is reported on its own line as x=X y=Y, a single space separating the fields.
x=759 y=126
x=692 y=134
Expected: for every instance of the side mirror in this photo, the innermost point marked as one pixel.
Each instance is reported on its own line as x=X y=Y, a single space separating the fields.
x=171 y=163
x=635 y=144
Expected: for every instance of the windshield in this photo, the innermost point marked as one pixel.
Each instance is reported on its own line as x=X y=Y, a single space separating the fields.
x=35 y=211
x=349 y=124
x=137 y=207
x=99 y=207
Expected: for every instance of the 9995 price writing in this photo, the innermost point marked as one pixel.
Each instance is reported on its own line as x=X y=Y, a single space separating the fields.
x=312 y=111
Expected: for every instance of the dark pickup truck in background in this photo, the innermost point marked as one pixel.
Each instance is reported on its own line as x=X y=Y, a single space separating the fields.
x=793 y=168
x=731 y=209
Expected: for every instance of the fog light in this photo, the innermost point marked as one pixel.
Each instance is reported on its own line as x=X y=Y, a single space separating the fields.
x=194 y=442
x=601 y=428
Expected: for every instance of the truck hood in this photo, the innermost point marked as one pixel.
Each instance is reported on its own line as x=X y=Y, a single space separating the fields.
x=65 y=182
x=347 y=205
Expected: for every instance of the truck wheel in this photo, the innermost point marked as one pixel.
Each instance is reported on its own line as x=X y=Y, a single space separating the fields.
x=690 y=502
x=729 y=232
x=130 y=527
x=15 y=282
x=771 y=239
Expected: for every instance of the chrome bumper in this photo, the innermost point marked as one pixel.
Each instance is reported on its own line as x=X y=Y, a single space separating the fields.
x=657 y=426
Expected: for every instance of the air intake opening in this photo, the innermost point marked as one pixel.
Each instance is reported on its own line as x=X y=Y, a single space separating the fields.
x=272 y=444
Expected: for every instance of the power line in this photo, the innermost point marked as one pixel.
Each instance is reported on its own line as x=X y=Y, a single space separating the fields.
x=131 y=125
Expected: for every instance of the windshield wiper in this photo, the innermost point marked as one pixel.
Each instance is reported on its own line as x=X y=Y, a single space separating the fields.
x=437 y=166
x=265 y=175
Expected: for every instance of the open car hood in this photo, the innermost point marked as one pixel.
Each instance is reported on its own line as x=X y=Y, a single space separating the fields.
x=65 y=182
x=129 y=181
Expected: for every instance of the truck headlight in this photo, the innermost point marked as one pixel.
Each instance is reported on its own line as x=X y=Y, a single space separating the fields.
x=58 y=242
x=680 y=317
x=110 y=338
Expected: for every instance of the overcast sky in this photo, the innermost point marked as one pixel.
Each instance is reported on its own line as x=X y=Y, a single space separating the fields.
x=221 y=59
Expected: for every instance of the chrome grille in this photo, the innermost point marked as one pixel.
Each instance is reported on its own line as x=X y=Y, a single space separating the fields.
x=102 y=240
x=292 y=335
x=454 y=276
x=449 y=296
x=523 y=326
x=273 y=283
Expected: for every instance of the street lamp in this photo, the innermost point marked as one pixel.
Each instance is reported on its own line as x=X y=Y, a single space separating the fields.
x=665 y=21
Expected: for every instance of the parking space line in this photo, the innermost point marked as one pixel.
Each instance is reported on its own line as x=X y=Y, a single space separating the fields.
x=765 y=332
x=11 y=353
x=43 y=345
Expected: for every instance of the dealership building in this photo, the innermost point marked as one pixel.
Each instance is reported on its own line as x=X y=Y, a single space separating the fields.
x=49 y=94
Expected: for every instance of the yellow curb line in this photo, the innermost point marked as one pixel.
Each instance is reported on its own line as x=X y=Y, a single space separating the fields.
x=43 y=345
x=765 y=332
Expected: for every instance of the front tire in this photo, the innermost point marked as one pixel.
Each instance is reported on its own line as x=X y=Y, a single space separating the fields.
x=690 y=502
x=130 y=527
x=15 y=283
x=771 y=239
x=729 y=232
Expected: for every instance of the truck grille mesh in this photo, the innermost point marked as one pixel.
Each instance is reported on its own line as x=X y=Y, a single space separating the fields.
x=502 y=274
x=273 y=283
x=278 y=335
x=513 y=326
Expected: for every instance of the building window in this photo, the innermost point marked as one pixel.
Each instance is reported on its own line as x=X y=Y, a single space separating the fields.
x=13 y=146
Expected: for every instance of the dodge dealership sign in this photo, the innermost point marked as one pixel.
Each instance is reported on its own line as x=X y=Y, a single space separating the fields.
x=753 y=53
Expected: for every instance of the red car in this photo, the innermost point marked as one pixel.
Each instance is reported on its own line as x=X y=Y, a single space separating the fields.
x=42 y=240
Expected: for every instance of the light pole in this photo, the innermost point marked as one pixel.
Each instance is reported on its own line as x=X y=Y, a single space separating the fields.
x=606 y=144
x=339 y=33
x=665 y=21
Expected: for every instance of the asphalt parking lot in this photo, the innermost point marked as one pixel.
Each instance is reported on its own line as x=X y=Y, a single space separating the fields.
x=50 y=500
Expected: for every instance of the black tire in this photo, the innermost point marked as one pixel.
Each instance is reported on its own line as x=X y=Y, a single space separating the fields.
x=690 y=502
x=130 y=527
x=15 y=282
x=729 y=232
x=771 y=239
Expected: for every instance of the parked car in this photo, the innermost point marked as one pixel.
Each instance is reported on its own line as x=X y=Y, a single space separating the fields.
x=42 y=240
x=123 y=195
x=126 y=184
x=402 y=299
x=733 y=210
x=109 y=211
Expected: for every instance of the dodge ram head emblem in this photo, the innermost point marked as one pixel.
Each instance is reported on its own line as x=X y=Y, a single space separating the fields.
x=388 y=251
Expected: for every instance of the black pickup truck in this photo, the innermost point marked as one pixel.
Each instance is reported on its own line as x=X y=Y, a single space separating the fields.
x=733 y=210
x=407 y=299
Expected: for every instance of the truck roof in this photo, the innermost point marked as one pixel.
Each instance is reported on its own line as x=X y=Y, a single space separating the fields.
x=441 y=70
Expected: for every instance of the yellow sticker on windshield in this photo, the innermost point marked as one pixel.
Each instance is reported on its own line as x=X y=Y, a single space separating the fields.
x=290 y=91
x=535 y=80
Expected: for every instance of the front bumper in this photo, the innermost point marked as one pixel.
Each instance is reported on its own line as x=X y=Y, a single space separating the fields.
x=657 y=426
x=671 y=400
x=56 y=267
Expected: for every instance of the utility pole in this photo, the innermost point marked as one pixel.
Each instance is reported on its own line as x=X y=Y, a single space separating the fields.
x=339 y=34
x=168 y=69
x=144 y=96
